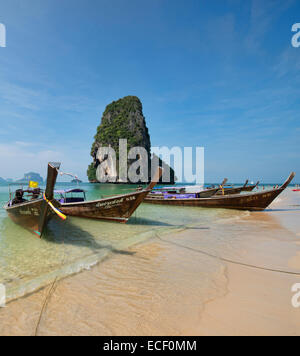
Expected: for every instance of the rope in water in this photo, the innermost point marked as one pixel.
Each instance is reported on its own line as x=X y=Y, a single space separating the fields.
x=230 y=261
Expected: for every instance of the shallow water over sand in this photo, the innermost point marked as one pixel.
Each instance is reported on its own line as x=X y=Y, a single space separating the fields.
x=27 y=263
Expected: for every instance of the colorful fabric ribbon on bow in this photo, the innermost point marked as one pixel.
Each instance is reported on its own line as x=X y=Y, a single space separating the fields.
x=58 y=212
x=223 y=190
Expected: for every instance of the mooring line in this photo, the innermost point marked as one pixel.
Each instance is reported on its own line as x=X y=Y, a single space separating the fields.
x=230 y=261
x=44 y=306
x=51 y=291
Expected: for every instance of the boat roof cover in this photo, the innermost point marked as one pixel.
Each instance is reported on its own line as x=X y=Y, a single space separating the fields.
x=64 y=191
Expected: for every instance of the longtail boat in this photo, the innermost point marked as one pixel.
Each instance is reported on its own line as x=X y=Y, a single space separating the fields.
x=117 y=208
x=232 y=190
x=203 y=193
x=297 y=188
x=250 y=188
x=187 y=191
x=251 y=201
x=33 y=208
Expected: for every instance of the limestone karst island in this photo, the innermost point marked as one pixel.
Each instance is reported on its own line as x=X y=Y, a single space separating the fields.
x=122 y=119
x=161 y=195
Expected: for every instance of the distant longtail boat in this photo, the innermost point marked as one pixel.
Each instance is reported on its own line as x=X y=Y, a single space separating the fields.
x=252 y=201
x=237 y=190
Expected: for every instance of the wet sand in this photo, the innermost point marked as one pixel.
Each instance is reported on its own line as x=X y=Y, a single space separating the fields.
x=178 y=284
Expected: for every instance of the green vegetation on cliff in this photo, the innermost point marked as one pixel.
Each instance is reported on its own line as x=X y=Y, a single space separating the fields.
x=91 y=173
x=122 y=119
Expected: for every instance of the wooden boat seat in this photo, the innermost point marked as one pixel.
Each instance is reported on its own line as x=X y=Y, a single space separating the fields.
x=73 y=200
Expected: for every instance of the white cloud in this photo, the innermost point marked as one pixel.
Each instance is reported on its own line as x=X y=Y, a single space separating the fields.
x=16 y=159
x=21 y=157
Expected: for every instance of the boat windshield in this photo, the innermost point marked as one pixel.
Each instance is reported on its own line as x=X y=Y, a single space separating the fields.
x=70 y=196
x=23 y=196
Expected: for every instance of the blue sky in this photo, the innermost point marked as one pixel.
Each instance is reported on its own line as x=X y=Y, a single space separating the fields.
x=218 y=74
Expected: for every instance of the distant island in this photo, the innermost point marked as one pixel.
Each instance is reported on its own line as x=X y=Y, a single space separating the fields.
x=31 y=176
x=76 y=181
x=122 y=119
x=2 y=181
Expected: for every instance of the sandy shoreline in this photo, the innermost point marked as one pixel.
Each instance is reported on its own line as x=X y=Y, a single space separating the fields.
x=169 y=286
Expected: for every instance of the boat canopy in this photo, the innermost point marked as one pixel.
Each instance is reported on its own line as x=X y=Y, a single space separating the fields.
x=65 y=191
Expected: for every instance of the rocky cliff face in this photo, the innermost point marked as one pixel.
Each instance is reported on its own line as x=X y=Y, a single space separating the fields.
x=122 y=119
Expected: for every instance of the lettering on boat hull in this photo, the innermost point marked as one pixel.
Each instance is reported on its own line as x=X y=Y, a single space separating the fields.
x=32 y=211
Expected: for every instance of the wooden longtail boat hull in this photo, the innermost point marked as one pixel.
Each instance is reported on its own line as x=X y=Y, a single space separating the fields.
x=119 y=208
x=208 y=193
x=34 y=215
x=253 y=202
x=203 y=194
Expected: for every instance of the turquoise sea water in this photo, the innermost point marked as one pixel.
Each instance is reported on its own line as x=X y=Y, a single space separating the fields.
x=28 y=263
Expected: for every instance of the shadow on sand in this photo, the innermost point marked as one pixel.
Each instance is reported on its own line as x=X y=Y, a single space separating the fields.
x=143 y=221
x=67 y=233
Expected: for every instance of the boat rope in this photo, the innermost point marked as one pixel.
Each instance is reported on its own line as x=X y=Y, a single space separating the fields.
x=228 y=260
x=51 y=290
x=57 y=211
x=69 y=174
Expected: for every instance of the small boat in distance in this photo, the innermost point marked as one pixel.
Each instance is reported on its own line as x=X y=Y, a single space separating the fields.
x=33 y=208
x=235 y=190
x=252 y=201
x=117 y=208
x=193 y=191
x=297 y=188
x=250 y=188
x=76 y=180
